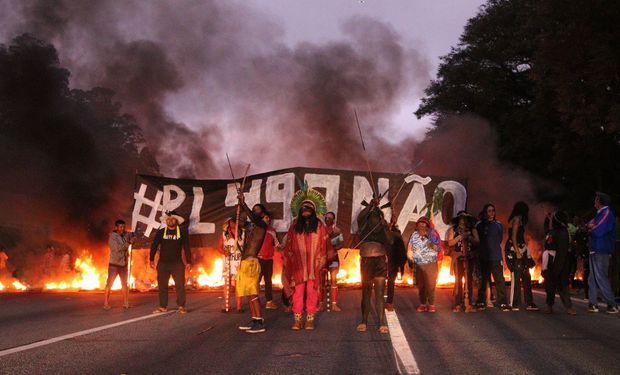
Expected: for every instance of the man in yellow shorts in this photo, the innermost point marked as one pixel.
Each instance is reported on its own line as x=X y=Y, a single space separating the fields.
x=248 y=274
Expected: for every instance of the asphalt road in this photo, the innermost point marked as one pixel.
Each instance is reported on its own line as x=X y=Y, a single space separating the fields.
x=206 y=341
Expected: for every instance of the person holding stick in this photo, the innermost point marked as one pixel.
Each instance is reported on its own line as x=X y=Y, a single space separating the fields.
x=119 y=242
x=232 y=259
x=374 y=242
x=462 y=237
x=249 y=271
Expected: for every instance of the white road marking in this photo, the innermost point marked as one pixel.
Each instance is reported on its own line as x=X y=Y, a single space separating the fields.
x=37 y=344
x=405 y=361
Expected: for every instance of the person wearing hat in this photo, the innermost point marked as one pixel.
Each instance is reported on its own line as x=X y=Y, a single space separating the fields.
x=422 y=251
x=602 y=244
x=305 y=254
x=462 y=237
x=170 y=241
x=556 y=266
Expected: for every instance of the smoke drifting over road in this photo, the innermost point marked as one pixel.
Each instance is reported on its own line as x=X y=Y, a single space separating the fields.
x=202 y=78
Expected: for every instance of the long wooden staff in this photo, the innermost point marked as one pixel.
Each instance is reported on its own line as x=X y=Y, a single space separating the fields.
x=236 y=244
x=381 y=196
x=372 y=180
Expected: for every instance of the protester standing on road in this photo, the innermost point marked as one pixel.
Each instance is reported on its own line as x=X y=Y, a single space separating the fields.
x=462 y=237
x=602 y=244
x=556 y=264
x=491 y=263
x=333 y=265
x=397 y=257
x=232 y=259
x=170 y=241
x=118 y=242
x=422 y=250
x=375 y=241
x=265 y=258
x=306 y=252
x=249 y=268
x=519 y=259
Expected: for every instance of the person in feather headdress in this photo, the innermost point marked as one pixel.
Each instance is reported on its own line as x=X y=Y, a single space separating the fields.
x=305 y=254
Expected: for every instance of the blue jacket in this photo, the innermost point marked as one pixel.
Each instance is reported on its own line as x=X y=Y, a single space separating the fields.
x=603 y=234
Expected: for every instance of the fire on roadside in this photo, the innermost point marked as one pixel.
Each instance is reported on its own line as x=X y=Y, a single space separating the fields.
x=208 y=273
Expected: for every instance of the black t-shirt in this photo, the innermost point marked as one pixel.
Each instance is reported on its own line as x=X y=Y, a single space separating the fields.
x=170 y=243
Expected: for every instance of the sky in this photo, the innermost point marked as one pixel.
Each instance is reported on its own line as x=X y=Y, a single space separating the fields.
x=432 y=26
x=202 y=75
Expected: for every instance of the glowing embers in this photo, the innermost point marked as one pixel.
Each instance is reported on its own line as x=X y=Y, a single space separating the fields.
x=87 y=277
x=12 y=285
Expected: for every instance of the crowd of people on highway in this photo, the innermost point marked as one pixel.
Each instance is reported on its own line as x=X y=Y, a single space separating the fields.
x=310 y=260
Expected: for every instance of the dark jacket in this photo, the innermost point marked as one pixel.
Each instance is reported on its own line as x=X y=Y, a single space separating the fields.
x=491 y=233
x=558 y=240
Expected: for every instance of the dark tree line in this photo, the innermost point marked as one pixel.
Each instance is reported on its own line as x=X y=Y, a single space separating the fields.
x=546 y=74
x=69 y=155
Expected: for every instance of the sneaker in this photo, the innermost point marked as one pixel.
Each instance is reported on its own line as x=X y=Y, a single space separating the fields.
x=248 y=325
x=432 y=309
x=612 y=310
x=160 y=310
x=592 y=308
x=421 y=308
x=258 y=325
x=389 y=306
x=505 y=307
x=481 y=306
x=182 y=310
x=532 y=307
x=514 y=308
x=271 y=306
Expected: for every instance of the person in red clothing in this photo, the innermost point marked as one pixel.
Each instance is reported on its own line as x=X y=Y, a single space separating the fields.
x=305 y=254
x=265 y=258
